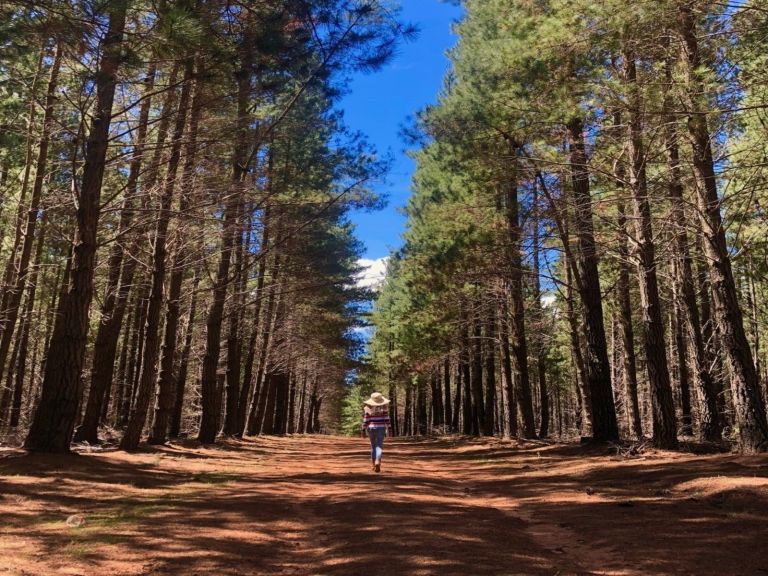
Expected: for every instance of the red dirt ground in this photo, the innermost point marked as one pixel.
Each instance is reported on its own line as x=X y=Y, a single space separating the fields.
x=311 y=505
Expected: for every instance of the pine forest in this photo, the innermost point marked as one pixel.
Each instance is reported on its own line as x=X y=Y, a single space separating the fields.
x=242 y=242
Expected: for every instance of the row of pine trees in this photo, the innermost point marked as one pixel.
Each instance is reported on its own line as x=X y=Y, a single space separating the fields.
x=587 y=242
x=175 y=187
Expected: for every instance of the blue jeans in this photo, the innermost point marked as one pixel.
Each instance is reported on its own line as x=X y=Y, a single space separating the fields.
x=377 y=442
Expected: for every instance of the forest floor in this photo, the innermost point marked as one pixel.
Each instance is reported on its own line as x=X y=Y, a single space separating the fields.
x=311 y=505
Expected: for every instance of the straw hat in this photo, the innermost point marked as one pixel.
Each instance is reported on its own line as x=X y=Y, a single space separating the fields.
x=376 y=399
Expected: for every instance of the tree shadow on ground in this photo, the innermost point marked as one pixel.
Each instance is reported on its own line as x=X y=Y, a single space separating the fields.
x=311 y=506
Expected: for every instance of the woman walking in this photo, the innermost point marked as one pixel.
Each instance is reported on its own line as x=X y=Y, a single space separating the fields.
x=375 y=423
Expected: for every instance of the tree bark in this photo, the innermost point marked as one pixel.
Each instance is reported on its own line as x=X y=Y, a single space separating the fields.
x=167 y=388
x=506 y=364
x=478 y=401
x=706 y=395
x=234 y=338
x=628 y=356
x=15 y=293
x=662 y=403
x=208 y=429
x=519 y=342
x=112 y=314
x=181 y=377
x=448 y=419
x=147 y=380
x=26 y=327
x=541 y=353
x=748 y=403
x=604 y=424
x=55 y=418
x=490 y=375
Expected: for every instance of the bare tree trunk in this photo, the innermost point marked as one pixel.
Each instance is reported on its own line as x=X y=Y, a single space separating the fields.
x=748 y=403
x=604 y=424
x=628 y=357
x=208 y=429
x=664 y=418
x=519 y=342
x=14 y=294
x=448 y=414
x=112 y=313
x=10 y=266
x=167 y=388
x=258 y=403
x=707 y=410
x=303 y=404
x=681 y=353
x=55 y=418
x=234 y=339
x=291 y=427
x=457 y=400
x=541 y=353
x=247 y=391
x=490 y=375
x=465 y=367
x=476 y=347
x=135 y=352
x=181 y=376
x=506 y=364
x=26 y=327
x=148 y=378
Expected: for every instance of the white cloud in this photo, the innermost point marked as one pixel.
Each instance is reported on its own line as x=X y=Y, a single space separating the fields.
x=372 y=273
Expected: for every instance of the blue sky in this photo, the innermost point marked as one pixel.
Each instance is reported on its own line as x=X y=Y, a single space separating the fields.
x=379 y=104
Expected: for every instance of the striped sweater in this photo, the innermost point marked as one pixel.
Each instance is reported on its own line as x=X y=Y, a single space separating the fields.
x=375 y=417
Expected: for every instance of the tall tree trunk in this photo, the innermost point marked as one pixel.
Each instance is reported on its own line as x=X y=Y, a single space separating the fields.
x=662 y=402
x=291 y=426
x=393 y=410
x=10 y=268
x=506 y=364
x=234 y=338
x=748 y=403
x=478 y=401
x=541 y=353
x=55 y=418
x=302 y=426
x=108 y=332
x=167 y=388
x=604 y=424
x=121 y=272
x=15 y=293
x=437 y=400
x=706 y=395
x=466 y=378
x=519 y=342
x=421 y=408
x=624 y=305
x=247 y=390
x=208 y=431
x=258 y=404
x=448 y=419
x=681 y=353
x=134 y=363
x=628 y=357
x=148 y=378
x=181 y=375
x=26 y=327
x=490 y=375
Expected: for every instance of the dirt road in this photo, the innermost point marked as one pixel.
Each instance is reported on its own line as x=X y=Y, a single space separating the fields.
x=311 y=505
